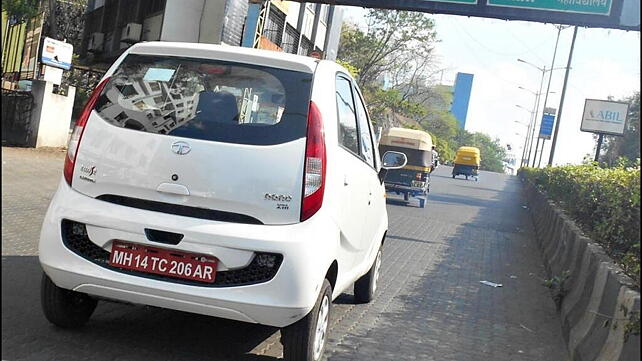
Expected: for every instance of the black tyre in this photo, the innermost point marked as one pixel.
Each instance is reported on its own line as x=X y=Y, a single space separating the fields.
x=406 y=197
x=65 y=308
x=305 y=339
x=466 y=177
x=422 y=203
x=366 y=286
x=453 y=176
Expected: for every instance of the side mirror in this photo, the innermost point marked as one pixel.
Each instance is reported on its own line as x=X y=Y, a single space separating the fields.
x=394 y=160
x=391 y=160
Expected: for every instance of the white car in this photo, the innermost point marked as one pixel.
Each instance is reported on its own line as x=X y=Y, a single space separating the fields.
x=222 y=181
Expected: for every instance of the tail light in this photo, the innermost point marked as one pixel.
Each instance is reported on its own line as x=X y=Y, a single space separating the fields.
x=315 y=165
x=79 y=128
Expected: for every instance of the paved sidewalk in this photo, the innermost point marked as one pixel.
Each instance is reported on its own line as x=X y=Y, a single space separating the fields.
x=430 y=304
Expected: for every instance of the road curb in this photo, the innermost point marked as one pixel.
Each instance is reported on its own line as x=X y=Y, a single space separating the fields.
x=598 y=298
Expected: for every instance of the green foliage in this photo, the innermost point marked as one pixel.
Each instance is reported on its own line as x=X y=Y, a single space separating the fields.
x=492 y=152
x=627 y=147
x=21 y=10
x=444 y=149
x=605 y=202
x=349 y=67
x=557 y=287
x=411 y=126
x=381 y=101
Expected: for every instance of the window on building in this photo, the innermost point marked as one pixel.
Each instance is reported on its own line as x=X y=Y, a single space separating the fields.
x=311 y=6
x=323 y=15
x=290 y=40
x=274 y=25
x=306 y=46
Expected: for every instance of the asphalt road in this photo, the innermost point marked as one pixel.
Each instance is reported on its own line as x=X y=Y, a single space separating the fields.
x=430 y=304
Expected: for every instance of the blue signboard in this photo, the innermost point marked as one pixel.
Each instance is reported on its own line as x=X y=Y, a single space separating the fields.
x=546 y=128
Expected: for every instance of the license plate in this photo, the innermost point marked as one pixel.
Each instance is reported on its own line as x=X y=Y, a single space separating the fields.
x=163 y=262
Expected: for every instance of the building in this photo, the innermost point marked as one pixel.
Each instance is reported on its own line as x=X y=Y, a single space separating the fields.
x=293 y=27
x=461 y=97
x=300 y=28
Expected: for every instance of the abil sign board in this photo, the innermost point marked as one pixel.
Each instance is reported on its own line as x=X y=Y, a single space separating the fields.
x=604 y=116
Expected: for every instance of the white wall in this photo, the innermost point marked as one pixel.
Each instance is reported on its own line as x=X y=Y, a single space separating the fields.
x=292 y=16
x=51 y=114
x=213 y=21
x=182 y=21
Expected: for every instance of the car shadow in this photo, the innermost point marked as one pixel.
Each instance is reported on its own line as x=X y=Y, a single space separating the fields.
x=120 y=331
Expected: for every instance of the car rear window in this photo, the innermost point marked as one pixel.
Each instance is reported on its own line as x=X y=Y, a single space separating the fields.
x=206 y=99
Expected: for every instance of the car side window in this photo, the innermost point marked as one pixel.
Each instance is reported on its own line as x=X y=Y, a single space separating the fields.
x=346 y=115
x=365 y=136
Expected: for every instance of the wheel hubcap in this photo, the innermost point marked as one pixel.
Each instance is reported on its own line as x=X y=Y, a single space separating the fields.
x=376 y=271
x=322 y=326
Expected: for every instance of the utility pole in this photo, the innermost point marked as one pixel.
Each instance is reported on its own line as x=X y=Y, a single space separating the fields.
x=548 y=88
x=559 y=112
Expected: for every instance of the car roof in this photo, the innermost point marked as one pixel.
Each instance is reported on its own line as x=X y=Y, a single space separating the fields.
x=228 y=53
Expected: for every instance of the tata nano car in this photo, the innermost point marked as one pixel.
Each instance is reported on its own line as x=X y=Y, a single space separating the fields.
x=222 y=181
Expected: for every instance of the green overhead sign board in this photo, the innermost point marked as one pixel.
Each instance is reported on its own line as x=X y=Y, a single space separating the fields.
x=607 y=14
x=471 y=2
x=596 y=7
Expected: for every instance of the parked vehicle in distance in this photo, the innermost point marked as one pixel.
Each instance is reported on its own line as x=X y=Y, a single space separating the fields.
x=222 y=181
x=413 y=180
x=467 y=161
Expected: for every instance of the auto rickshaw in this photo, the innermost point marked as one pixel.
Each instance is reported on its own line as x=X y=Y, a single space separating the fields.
x=413 y=180
x=467 y=162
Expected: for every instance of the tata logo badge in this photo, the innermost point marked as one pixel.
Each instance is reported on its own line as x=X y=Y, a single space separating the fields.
x=181 y=148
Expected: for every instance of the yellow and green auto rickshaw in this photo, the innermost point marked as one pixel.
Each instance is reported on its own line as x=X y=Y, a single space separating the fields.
x=413 y=180
x=467 y=162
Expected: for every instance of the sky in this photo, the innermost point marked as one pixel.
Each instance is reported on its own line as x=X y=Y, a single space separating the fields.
x=605 y=63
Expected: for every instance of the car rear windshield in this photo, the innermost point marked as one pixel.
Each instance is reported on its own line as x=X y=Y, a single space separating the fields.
x=209 y=100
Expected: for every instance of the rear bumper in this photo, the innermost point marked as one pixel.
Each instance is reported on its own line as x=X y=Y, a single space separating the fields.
x=465 y=169
x=308 y=249
x=397 y=188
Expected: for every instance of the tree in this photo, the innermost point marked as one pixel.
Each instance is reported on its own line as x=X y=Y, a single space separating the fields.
x=65 y=21
x=628 y=145
x=392 y=37
x=21 y=10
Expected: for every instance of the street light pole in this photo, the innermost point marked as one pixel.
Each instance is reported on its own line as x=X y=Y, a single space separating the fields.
x=537 y=98
x=559 y=113
x=524 y=161
x=548 y=88
x=528 y=132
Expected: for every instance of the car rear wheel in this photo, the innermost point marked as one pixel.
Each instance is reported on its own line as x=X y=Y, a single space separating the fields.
x=305 y=339
x=65 y=308
x=366 y=286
